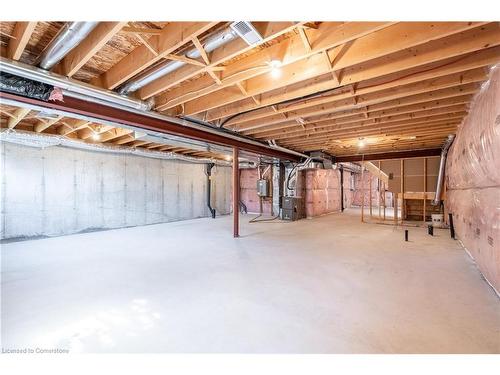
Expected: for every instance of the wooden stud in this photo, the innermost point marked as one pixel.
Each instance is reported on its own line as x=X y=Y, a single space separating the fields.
x=362 y=192
x=403 y=209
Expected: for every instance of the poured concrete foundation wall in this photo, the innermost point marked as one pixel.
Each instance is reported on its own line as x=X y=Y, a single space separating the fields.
x=473 y=180
x=56 y=190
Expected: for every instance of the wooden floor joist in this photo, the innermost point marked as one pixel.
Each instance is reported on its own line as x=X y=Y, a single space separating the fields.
x=306 y=85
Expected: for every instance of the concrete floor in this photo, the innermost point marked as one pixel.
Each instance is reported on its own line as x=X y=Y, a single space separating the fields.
x=328 y=285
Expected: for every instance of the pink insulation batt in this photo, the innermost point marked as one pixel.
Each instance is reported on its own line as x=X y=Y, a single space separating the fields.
x=473 y=180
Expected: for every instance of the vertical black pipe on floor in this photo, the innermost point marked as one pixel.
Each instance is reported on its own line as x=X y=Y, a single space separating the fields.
x=406 y=235
x=452 y=228
x=341 y=188
x=209 y=189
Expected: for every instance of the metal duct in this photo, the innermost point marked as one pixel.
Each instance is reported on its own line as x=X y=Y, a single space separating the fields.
x=68 y=38
x=442 y=163
x=212 y=43
x=272 y=144
x=83 y=91
x=72 y=87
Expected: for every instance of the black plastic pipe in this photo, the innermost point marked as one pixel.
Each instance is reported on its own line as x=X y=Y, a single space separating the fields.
x=452 y=228
x=209 y=189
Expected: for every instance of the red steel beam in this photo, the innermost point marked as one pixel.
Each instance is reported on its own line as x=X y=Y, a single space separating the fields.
x=105 y=112
x=390 y=155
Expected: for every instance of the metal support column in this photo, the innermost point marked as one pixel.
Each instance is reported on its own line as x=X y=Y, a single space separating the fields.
x=236 y=193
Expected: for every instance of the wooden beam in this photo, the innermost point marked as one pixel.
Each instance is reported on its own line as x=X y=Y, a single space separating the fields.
x=377 y=171
x=140 y=30
x=46 y=123
x=19 y=114
x=390 y=155
x=185 y=59
x=171 y=37
x=298 y=67
x=72 y=125
x=201 y=50
x=422 y=72
x=82 y=53
x=20 y=38
x=290 y=50
x=416 y=93
x=268 y=30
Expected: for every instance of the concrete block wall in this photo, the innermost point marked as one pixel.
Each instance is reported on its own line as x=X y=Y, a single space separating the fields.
x=56 y=190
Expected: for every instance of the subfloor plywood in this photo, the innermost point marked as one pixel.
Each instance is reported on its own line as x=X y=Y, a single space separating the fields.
x=327 y=285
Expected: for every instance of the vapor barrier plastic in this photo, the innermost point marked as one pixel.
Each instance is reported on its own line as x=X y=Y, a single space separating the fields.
x=25 y=87
x=473 y=180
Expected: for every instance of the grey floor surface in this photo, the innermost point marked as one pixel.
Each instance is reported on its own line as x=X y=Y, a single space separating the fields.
x=327 y=285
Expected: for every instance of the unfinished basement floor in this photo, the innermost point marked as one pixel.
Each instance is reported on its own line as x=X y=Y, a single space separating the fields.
x=328 y=285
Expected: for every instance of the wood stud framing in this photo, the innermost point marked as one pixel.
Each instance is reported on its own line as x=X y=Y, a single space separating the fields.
x=398 y=85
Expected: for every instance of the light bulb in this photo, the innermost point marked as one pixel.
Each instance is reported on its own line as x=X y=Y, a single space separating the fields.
x=361 y=143
x=96 y=136
x=275 y=68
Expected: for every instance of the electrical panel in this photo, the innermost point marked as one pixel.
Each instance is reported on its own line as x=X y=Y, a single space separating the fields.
x=263 y=188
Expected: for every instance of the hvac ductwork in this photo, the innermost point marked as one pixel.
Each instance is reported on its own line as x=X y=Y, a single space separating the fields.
x=69 y=37
x=212 y=43
x=442 y=163
x=71 y=87
x=79 y=90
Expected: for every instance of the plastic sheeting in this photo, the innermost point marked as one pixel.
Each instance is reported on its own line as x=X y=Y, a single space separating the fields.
x=473 y=180
x=25 y=87
x=248 y=192
x=322 y=191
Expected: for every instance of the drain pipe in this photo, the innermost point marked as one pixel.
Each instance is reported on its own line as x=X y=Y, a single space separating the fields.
x=212 y=43
x=442 y=163
x=209 y=189
x=71 y=34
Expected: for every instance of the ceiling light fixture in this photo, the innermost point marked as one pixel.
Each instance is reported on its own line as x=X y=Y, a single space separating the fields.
x=96 y=136
x=275 y=68
x=361 y=143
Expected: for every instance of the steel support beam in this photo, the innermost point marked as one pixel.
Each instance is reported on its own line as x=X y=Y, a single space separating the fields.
x=236 y=193
x=105 y=112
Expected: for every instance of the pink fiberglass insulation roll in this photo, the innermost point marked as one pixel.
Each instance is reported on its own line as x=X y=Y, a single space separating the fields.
x=473 y=180
x=322 y=191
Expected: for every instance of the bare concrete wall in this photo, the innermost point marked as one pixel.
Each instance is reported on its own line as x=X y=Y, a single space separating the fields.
x=57 y=190
x=473 y=180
